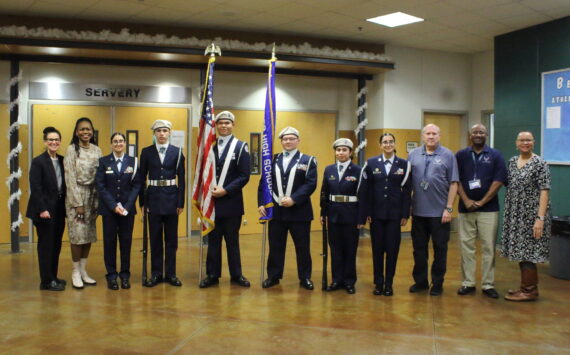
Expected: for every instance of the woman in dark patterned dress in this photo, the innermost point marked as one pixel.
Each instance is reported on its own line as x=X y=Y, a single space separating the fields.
x=526 y=226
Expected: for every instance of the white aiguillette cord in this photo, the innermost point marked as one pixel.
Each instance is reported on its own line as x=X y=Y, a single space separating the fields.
x=290 y=179
x=227 y=163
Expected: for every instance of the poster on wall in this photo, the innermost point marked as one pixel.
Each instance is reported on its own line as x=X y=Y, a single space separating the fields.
x=556 y=116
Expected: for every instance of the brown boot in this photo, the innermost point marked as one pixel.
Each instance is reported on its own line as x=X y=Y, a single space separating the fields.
x=529 y=288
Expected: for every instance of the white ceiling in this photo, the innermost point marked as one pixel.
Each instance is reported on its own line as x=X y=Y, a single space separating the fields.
x=465 y=26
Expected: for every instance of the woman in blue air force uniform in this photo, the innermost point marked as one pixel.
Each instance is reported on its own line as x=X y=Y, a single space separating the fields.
x=118 y=186
x=389 y=196
x=342 y=205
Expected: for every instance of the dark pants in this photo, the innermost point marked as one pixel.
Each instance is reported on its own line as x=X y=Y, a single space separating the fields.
x=228 y=229
x=422 y=229
x=121 y=226
x=50 y=233
x=385 y=236
x=163 y=228
x=300 y=232
x=343 y=240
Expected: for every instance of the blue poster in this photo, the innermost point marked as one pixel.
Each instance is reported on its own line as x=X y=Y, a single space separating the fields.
x=556 y=116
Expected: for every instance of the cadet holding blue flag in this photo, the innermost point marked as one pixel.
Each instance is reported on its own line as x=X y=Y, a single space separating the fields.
x=294 y=179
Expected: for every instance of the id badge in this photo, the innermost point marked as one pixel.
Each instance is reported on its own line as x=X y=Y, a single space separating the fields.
x=474 y=184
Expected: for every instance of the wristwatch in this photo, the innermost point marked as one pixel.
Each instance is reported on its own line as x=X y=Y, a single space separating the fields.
x=449 y=209
x=542 y=218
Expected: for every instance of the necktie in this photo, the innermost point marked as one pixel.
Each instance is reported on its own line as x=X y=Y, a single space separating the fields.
x=162 y=150
x=221 y=142
x=387 y=162
x=287 y=154
x=118 y=161
x=340 y=168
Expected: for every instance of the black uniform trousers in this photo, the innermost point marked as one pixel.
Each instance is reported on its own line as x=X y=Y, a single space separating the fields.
x=385 y=236
x=50 y=233
x=121 y=226
x=163 y=229
x=343 y=241
x=300 y=232
x=422 y=229
x=228 y=229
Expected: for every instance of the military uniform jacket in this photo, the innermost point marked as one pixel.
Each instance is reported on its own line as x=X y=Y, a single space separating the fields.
x=237 y=176
x=349 y=185
x=163 y=200
x=303 y=185
x=116 y=186
x=389 y=196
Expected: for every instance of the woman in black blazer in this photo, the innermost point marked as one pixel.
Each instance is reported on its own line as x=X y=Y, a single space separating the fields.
x=46 y=208
x=389 y=197
x=118 y=186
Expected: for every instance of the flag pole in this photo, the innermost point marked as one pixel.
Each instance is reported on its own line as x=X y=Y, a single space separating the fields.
x=264 y=235
x=211 y=51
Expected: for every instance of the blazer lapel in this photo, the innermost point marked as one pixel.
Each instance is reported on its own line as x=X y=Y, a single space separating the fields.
x=51 y=169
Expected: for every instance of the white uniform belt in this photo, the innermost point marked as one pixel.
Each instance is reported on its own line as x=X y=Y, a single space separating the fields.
x=171 y=182
x=343 y=198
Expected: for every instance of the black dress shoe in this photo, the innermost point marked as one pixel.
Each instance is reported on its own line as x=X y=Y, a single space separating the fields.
x=378 y=290
x=173 y=280
x=465 y=290
x=307 y=284
x=125 y=284
x=209 y=281
x=491 y=292
x=52 y=286
x=112 y=284
x=270 y=283
x=350 y=289
x=436 y=290
x=153 y=281
x=61 y=281
x=388 y=291
x=418 y=288
x=241 y=281
x=334 y=286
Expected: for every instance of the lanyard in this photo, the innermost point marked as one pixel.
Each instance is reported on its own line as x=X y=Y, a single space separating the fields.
x=428 y=158
x=475 y=162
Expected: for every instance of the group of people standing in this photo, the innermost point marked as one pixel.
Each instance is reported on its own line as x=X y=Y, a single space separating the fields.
x=83 y=185
x=385 y=192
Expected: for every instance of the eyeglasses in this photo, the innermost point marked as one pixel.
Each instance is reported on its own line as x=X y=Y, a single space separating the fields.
x=119 y=142
x=51 y=140
x=388 y=142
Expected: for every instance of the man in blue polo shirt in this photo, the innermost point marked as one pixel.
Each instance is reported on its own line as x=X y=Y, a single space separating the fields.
x=434 y=186
x=482 y=172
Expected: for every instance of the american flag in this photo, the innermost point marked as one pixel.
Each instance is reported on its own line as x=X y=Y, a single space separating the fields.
x=205 y=171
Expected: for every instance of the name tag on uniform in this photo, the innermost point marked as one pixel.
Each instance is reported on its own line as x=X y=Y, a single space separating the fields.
x=474 y=184
x=108 y=171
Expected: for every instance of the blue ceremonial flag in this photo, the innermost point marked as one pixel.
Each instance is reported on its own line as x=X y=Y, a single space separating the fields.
x=267 y=144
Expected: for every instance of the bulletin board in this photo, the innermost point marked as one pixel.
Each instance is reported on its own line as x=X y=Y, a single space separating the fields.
x=556 y=117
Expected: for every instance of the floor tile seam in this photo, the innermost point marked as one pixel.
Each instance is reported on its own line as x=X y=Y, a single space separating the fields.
x=359 y=331
x=187 y=339
x=538 y=347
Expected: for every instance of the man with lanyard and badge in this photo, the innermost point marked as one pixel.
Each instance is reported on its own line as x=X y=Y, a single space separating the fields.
x=294 y=177
x=434 y=185
x=482 y=172
x=343 y=208
x=232 y=174
x=162 y=163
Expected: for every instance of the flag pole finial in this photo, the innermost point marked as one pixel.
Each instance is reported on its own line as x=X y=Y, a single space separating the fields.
x=212 y=50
